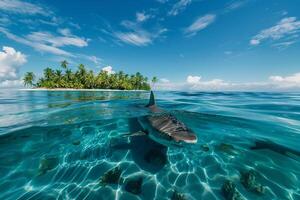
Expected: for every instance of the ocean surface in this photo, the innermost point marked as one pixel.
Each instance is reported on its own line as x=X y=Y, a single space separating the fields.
x=71 y=145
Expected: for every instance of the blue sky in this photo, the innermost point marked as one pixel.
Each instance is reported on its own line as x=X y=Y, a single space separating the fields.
x=187 y=44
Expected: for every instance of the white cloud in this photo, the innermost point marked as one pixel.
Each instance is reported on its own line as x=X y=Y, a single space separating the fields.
x=179 y=6
x=274 y=83
x=36 y=22
x=32 y=22
x=108 y=69
x=132 y=25
x=215 y=84
x=193 y=79
x=134 y=32
x=254 y=42
x=164 y=80
x=11 y=84
x=195 y=83
x=47 y=42
x=287 y=28
x=283 y=45
x=170 y=86
x=200 y=24
x=236 y=5
x=135 y=38
x=75 y=25
x=141 y=16
x=65 y=31
x=10 y=62
x=95 y=59
x=137 y=35
x=57 y=41
x=22 y=7
x=287 y=81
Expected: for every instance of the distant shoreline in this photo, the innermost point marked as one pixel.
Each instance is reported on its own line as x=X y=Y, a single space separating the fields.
x=72 y=89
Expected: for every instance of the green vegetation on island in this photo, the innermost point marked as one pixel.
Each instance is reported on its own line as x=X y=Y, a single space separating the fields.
x=87 y=79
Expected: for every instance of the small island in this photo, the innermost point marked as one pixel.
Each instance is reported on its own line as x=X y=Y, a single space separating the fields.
x=82 y=78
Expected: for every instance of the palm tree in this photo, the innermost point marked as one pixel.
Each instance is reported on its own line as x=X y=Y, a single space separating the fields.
x=103 y=80
x=29 y=78
x=64 y=64
x=81 y=70
x=87 y=79
x=48 y=73
x=154 y=80
x=58 y=74
x=69 y=74
x=138 y=81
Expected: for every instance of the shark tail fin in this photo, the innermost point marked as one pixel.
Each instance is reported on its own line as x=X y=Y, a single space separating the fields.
x=151 y=100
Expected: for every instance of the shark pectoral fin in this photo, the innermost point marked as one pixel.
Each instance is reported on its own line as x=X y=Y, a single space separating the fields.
x=139 y=133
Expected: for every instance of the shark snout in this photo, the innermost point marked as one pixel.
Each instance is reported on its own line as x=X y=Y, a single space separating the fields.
x=191 y=139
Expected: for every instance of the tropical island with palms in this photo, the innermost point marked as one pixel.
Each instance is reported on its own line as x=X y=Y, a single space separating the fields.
x=86 y=79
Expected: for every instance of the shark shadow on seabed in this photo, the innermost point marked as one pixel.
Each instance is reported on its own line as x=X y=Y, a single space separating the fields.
x=277 y=148
x=146 y=153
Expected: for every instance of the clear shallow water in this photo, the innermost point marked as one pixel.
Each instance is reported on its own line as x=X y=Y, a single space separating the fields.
x=58 y=145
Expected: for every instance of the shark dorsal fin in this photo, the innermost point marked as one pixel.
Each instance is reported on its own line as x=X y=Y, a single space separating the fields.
x=151 y=100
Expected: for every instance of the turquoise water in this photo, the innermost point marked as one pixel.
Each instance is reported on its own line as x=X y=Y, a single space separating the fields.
x=69 y=145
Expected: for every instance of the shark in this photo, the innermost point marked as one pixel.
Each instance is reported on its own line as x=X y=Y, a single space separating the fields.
x=163 y=127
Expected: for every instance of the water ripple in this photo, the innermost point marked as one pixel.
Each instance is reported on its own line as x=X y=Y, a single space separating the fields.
x=59 y=145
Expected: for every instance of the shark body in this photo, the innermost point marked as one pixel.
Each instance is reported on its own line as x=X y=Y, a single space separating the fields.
x=165 y=128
